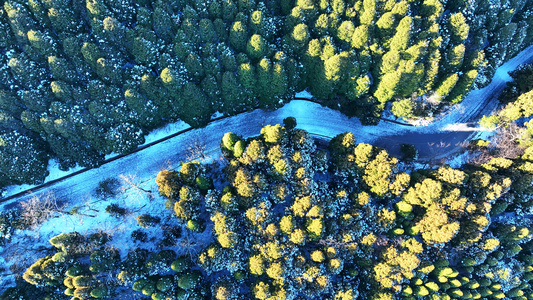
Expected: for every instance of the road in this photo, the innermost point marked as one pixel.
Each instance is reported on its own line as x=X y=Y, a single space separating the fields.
x=437 y=140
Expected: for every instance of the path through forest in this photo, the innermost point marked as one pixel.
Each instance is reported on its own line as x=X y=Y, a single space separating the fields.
x=440 y=139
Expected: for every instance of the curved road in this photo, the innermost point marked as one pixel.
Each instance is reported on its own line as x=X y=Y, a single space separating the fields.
x=437 y=140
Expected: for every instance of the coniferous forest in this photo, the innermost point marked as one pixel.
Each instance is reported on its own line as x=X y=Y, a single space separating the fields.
x=293 y=220
x=82 y=79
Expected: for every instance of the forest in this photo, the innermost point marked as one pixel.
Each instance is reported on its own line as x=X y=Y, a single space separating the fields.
x=292 y=218
x=84 y=79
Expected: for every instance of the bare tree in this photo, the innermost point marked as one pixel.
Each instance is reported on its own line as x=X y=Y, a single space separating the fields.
x=193 y=243
x=505 y=141
x=131 y=182
x=196 y=150
x=38 y=210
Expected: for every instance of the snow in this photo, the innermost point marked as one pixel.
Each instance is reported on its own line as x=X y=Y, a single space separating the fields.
x=303 y=94
x=143 y=166
x=162 y=132
x=87 y=215
x=325 y=122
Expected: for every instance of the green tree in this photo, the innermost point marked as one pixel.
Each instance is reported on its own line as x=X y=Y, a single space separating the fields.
x=403 y=108
x=463 y=86
x=61 y=69
x=300 y=36
x=459 y=28
x=346 y=31
x=195 y=111
x=369 y=12
x=386 y=88
x=454 y=58
x=385 y=26
x=445 y=87
x=194 y=66
x=238 y=36
x=232 y=95
x=23 y=159
x=256 y=47
x=91 y=53
x=400 y=40
x=360 y=37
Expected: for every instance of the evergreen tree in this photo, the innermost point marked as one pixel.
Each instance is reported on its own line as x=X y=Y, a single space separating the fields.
x=360 y=37
x=400 y=40
x=256 y=47
x=238 y=36
x=231 y=92
x=446 y=86
x=386 y=88
x=459 y=28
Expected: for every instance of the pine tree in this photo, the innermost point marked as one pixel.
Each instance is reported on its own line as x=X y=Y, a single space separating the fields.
x=346 y=31
x=459 y=28
x=369 y=12
x=195 y=69
x=238 y=36
x=163 y=23
x=446 y=86
x=400 y=40
x=360 y=37
x=300 y=36
x=463 y=86
x=386 y=88
x=231 y=92
x=43 y=42
x=263 y=88
x=403 y=108
x=385 y=26
x=257 y=47
x=23 y=159
x=454 y=59
x=207 y=31
x=195 y=111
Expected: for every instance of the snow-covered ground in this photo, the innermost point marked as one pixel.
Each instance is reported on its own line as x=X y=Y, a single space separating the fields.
x=436 y=139
x=461 y=120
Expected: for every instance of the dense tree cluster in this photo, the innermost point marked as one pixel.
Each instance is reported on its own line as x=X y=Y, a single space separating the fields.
x=82 y=79
x=297 y=222
x=88 y=268
x=291 y=220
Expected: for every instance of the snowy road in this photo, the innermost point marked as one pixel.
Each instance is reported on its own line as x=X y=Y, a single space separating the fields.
x=440 y=139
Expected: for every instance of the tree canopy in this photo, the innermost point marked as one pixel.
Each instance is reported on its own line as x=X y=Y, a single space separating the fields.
x=80 y=81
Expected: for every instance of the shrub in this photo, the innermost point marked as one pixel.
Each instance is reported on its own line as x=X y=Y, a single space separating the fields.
x=115 y=211
x=146 y=221
x=409 y=152
x=190 y=280
x=100 y=292
x=9 y=221
x=66 y=240
x=181 y=264
x=289 y=123
x=196 y=225
x=139 y=235
x=170 y=235
x=189 y=171
x=204 y=183
x=107 y=188
x=168 y=183
x=98 y=238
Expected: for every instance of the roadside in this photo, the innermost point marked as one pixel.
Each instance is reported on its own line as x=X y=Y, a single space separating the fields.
x=433 y=141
